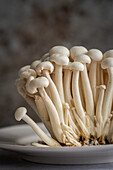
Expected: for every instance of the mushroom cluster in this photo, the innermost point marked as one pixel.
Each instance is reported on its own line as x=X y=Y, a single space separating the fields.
x=72 y=93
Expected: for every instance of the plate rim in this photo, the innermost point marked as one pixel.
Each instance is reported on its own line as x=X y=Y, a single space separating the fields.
x=50 y=149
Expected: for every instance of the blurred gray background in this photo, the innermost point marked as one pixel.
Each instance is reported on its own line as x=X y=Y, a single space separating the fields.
x=29 y=28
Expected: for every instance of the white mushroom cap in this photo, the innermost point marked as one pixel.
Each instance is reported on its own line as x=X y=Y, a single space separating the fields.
x=77 y=50
x=59 y=50
x=59 y=59
x=76 y=66
x=20 y=113
x=106 y=63
x=46 y=65
x=33 y=85
x=27 y=73
x=23 y=69
x=108 y=54
x=34 y=64
x=95 y=54
x=45 y=57
x=83 y=58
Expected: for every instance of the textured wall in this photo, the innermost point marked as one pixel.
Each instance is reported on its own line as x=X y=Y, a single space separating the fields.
x=28 y=28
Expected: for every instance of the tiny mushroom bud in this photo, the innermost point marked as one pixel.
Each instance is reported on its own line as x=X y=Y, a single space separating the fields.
x=21 y=114
x=45 y=69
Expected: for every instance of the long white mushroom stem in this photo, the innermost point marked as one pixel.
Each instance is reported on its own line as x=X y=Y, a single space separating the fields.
x=96 y=56
x=108 y=96
x=76 y=95
x=107 y=102
x=55 y=122
x=99 y=103
x=59 y=81
x=92 y=78
x=55 y=96
x=87 y=93
x=67 y=86
x=99 y=109
x=45 y=68
x=21 y=114
x=43 y=114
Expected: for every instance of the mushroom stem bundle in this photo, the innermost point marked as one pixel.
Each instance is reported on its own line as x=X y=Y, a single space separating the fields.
x=72 y=93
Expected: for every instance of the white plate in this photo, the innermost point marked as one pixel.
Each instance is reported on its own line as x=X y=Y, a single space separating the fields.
x=18 y=139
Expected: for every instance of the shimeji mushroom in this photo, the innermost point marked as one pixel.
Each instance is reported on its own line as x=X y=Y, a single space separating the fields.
x=59 y=61
x=25 y=72
x=59 y=55
x=99 y=119
x=67 y=84
x=96 y=56
x=24 y=68
x=20 y=84
x=34 y=64
x=59 y=50
x=77 y=50
x=45 y=69
x=107 y=63
x=76 y=68
x=37 y=85
x=35 y=102
x=21 y=114
x=84 y=59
